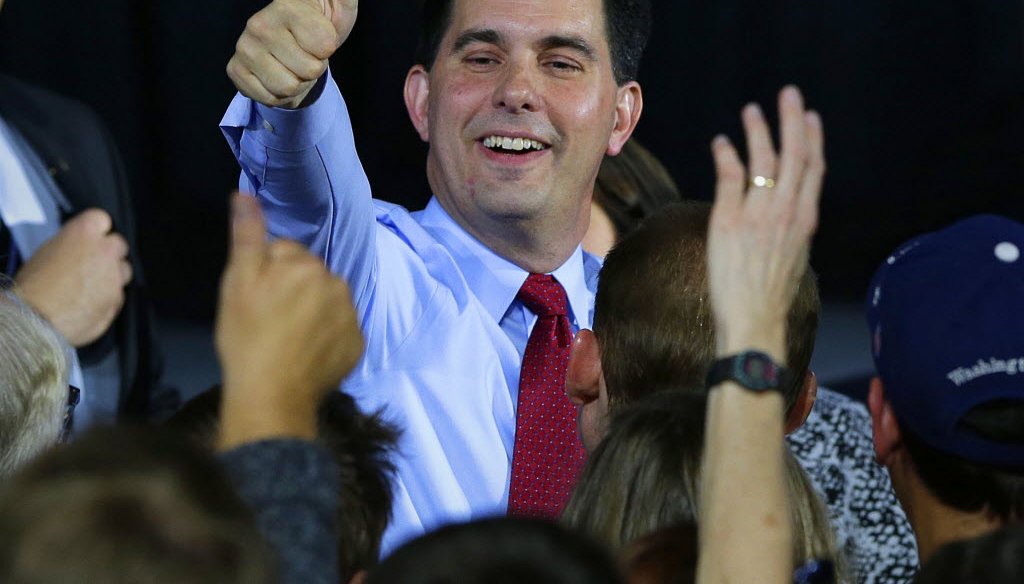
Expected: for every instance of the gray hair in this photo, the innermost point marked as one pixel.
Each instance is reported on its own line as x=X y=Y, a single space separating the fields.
x=34 y=361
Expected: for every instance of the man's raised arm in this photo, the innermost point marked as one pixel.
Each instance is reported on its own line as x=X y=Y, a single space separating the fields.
x=290 y=130
x=758 y=245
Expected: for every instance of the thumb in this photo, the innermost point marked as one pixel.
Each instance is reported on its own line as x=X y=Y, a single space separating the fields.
x=248 y=248
x=342 y=14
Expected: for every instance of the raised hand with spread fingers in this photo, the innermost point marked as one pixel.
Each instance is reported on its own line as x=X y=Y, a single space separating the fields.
x=758 y=246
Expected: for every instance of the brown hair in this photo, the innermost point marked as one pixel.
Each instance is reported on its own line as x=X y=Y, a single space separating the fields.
x=665 y=556
x=653 y=317
x=127 y=505
x=632 y=186
x=498 y=550
x=627 y=26
x=645 y=475
x=361 y=445
x=994 y=558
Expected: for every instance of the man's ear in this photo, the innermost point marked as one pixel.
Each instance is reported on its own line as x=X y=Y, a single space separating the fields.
x=583 y=379
x=804 y=403
x=629 y=105
x=884 y=428
x=417 y=92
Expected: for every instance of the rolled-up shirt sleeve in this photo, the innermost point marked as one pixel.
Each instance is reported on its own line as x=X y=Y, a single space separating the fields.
x=303 y=166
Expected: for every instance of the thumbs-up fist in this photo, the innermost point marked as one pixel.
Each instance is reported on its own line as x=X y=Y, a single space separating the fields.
x=285 y=47
x=286 y=332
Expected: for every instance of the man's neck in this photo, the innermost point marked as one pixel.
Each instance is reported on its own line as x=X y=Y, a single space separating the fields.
x=936 y=524
x=538 y=249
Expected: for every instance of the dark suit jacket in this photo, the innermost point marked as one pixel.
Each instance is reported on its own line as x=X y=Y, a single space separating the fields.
x=82 y=158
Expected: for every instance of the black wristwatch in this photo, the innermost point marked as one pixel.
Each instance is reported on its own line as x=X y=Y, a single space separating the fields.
x=753 y=370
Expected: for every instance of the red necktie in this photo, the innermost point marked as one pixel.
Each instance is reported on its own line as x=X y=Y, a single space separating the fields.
x=548 y=454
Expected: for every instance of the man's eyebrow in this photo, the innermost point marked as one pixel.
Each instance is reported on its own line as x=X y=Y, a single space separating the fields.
x=486 y=35
x=576 y=43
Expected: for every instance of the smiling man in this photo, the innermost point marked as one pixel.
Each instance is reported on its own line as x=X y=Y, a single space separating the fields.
x=469 y=306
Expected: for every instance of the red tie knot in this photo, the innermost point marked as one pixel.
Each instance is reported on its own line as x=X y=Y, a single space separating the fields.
x=543 y=296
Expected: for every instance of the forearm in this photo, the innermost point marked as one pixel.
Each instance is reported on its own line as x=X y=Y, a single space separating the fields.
x=744 y=504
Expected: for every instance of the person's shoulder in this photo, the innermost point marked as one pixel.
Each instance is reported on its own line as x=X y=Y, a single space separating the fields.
x=836 y=448
x=27 y=96
x=53 y=122
x=836 y=435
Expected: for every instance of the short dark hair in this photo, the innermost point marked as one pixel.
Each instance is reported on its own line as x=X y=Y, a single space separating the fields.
x=666 y=556
x=126 y=505
x=361 y=445
x=627 y=25
x=995 y=558
x=653 y=316
x=499 y=551
x=967 y=486
x=632 y=186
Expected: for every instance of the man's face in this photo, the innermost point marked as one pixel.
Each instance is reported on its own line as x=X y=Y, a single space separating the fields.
x=522 y=105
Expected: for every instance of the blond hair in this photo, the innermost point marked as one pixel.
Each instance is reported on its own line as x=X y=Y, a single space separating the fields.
x=646 y=474
x=34 y=361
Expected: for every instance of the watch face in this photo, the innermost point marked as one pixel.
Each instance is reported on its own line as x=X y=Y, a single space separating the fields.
x=753 y=370
x=757 y=368
x=756 y=371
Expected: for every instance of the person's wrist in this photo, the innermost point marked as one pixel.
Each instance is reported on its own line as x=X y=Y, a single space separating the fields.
x=240 y=427
x=764 y=336
x=250 y=413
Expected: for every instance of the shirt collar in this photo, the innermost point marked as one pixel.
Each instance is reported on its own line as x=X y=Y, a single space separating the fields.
x=494 y=280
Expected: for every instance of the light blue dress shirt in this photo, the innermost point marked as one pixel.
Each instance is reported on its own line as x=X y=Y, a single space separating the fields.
x=445 y=335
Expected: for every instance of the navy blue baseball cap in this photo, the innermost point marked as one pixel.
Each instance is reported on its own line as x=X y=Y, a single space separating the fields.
x=946 y=314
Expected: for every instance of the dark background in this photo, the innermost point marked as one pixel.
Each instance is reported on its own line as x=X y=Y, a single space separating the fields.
x=923 y=102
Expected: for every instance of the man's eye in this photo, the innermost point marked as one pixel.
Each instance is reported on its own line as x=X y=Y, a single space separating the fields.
x=564 y=66
x=481 y=61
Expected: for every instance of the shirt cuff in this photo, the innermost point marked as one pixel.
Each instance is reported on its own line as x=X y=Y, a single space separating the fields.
x=287 y=130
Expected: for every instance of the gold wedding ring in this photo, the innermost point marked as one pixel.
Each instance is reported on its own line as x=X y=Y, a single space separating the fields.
x=763 y=181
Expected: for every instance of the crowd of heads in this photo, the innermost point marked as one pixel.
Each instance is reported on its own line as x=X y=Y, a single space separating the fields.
x=128 y=505
x=153 y=505
x=644 y=476
x=361 y=445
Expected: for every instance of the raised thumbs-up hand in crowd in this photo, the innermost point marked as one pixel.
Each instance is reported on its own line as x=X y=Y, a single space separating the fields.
x=286 y=333
x=284 y=48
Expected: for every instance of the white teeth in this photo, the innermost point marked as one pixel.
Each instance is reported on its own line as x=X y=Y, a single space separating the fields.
x=513 y=144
